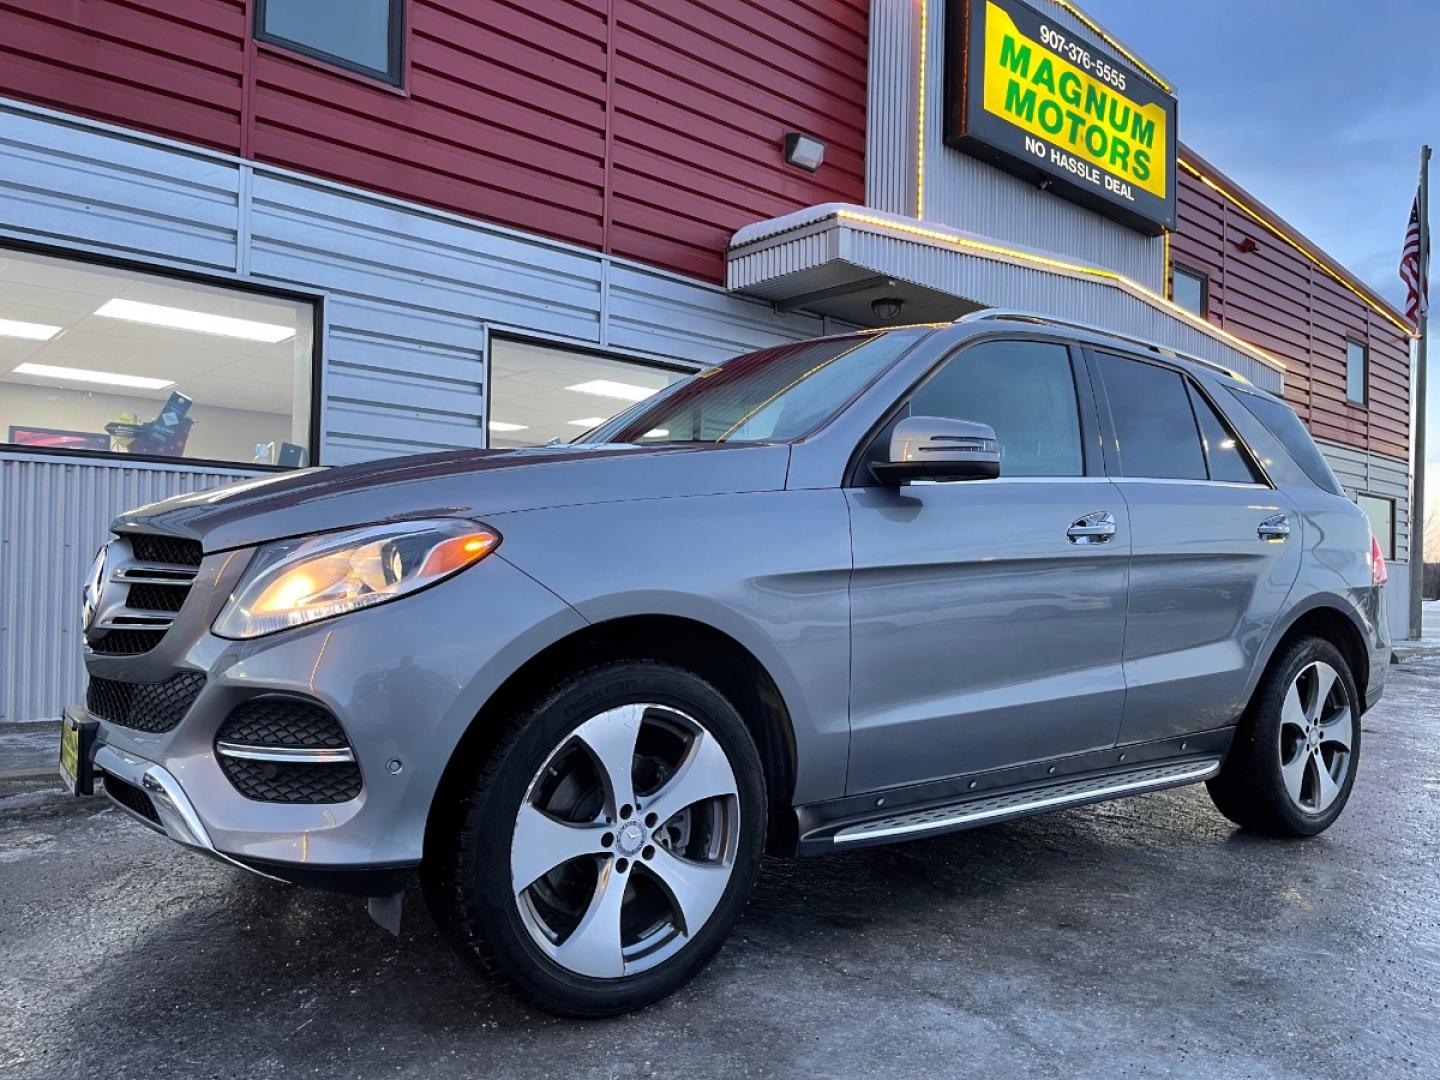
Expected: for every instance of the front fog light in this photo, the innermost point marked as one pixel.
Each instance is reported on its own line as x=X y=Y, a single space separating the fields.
x=294 y=582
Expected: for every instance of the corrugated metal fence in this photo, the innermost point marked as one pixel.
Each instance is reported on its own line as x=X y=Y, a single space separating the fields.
x=54 y=514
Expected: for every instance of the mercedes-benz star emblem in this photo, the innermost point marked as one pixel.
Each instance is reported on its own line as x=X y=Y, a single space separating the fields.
x=90 y=594
x=630 y=839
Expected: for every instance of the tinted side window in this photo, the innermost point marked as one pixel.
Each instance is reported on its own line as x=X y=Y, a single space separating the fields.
x=1025 y=390
x=1154 y=427
x=1282 y=422
x=1223 y=452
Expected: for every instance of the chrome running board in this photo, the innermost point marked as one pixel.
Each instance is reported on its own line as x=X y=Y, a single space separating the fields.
x=937 y=819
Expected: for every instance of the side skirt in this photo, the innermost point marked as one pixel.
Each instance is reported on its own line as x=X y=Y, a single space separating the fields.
x=1003 y=794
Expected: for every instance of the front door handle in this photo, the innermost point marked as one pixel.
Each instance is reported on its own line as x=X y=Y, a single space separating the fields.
x=1096 y=528
x=1274 y=529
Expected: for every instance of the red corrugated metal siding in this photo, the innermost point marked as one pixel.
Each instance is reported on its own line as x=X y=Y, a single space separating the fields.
x=505 y=117
x=650 y=128
x=167 y=66
x=704 y=92
x=1281 y=301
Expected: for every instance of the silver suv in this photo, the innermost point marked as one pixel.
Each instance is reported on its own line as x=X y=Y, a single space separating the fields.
x=841 y=592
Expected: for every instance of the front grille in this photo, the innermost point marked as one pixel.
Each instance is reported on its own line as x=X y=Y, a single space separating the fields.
x=127 y=642
x=132 y=798
x=148 y=596
x=156 y=573
x=152 y=707
x=151 y=548
x=283 y=722
x=287 y=723
x=271 y=781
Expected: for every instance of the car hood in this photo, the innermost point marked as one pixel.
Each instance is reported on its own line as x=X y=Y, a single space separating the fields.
x=471 y=483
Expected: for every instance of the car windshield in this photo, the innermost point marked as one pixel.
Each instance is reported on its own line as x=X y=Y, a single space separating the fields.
x=774 y=395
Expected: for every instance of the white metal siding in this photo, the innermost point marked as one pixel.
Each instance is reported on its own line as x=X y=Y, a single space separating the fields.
x=1375 y=474
x=410 y=295
x=54 y=514
x=410 y=291
x=890 y=135
x=960 y=190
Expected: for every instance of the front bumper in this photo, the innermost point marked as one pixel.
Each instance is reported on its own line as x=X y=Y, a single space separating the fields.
x=177 y=817
x=175 y=814
x=405 y=681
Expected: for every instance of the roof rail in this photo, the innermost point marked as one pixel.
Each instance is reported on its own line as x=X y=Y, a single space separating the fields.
x=1017 y=315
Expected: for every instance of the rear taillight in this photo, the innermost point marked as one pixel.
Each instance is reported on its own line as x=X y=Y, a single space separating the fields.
x=1378 y=573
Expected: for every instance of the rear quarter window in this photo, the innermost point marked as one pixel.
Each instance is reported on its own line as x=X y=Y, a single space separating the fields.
x=1280 y=420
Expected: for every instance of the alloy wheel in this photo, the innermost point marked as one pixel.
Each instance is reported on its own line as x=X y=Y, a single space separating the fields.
x=1316 y=734
x=625 y=841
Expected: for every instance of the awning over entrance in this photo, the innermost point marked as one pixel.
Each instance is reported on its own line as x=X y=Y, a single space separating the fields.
x=839 y=259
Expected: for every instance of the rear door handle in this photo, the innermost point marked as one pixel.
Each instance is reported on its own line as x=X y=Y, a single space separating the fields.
x=1274 y=529
x=1096 y=528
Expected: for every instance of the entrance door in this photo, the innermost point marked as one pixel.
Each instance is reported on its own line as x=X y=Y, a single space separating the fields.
x=986 y=629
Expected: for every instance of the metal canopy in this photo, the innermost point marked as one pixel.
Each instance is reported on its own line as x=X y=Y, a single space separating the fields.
x=836 y=259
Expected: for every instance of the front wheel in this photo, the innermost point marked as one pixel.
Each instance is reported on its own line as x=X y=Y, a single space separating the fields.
x=608 y=846
x=1292 y=763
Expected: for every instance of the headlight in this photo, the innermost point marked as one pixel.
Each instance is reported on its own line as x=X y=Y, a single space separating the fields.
x=294 y=582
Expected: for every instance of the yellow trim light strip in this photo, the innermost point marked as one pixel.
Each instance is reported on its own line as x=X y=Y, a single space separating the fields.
x=1405 y=327
x=1096 y=29
x=1080 y=270
x=1169 y=268
x=920 y=111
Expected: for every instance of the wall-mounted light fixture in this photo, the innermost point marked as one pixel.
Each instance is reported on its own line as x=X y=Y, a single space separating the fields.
x=804 y=152
x=887 y=308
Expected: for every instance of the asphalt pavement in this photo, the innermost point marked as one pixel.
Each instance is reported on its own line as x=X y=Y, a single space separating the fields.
x=1135 y=939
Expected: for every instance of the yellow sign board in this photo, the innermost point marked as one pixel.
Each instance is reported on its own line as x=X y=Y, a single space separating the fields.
x=1036 y=98
x=1050 y=97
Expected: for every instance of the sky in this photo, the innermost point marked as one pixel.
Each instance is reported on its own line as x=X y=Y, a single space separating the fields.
x=1316 y=107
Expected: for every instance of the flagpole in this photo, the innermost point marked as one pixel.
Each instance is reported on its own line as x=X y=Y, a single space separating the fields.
x=1417 y=498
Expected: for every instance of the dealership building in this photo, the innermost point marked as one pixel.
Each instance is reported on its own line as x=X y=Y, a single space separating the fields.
x=242 y=236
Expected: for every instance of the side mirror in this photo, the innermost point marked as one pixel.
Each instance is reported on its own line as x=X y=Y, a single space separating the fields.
x=935 y=448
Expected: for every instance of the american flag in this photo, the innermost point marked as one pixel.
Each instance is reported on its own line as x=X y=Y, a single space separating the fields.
x=1415 y=276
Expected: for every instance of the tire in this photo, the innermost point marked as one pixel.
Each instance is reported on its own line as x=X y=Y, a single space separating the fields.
x=661 y=880
x=1292 y=764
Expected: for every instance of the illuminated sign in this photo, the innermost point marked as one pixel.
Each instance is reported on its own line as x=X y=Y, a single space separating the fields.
x=1027 y=94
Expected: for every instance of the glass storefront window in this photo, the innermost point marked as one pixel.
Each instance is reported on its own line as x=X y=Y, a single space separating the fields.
x=109 y=360
x=540 y=393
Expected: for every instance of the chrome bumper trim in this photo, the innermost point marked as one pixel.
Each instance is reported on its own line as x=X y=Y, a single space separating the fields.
x=178 y=819
x=321 y=755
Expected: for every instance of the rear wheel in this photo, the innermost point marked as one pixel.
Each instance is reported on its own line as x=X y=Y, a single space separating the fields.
x=607 y=848
x=1292 y=764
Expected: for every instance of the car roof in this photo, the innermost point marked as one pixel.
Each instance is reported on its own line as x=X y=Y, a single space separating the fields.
x=990 y=320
